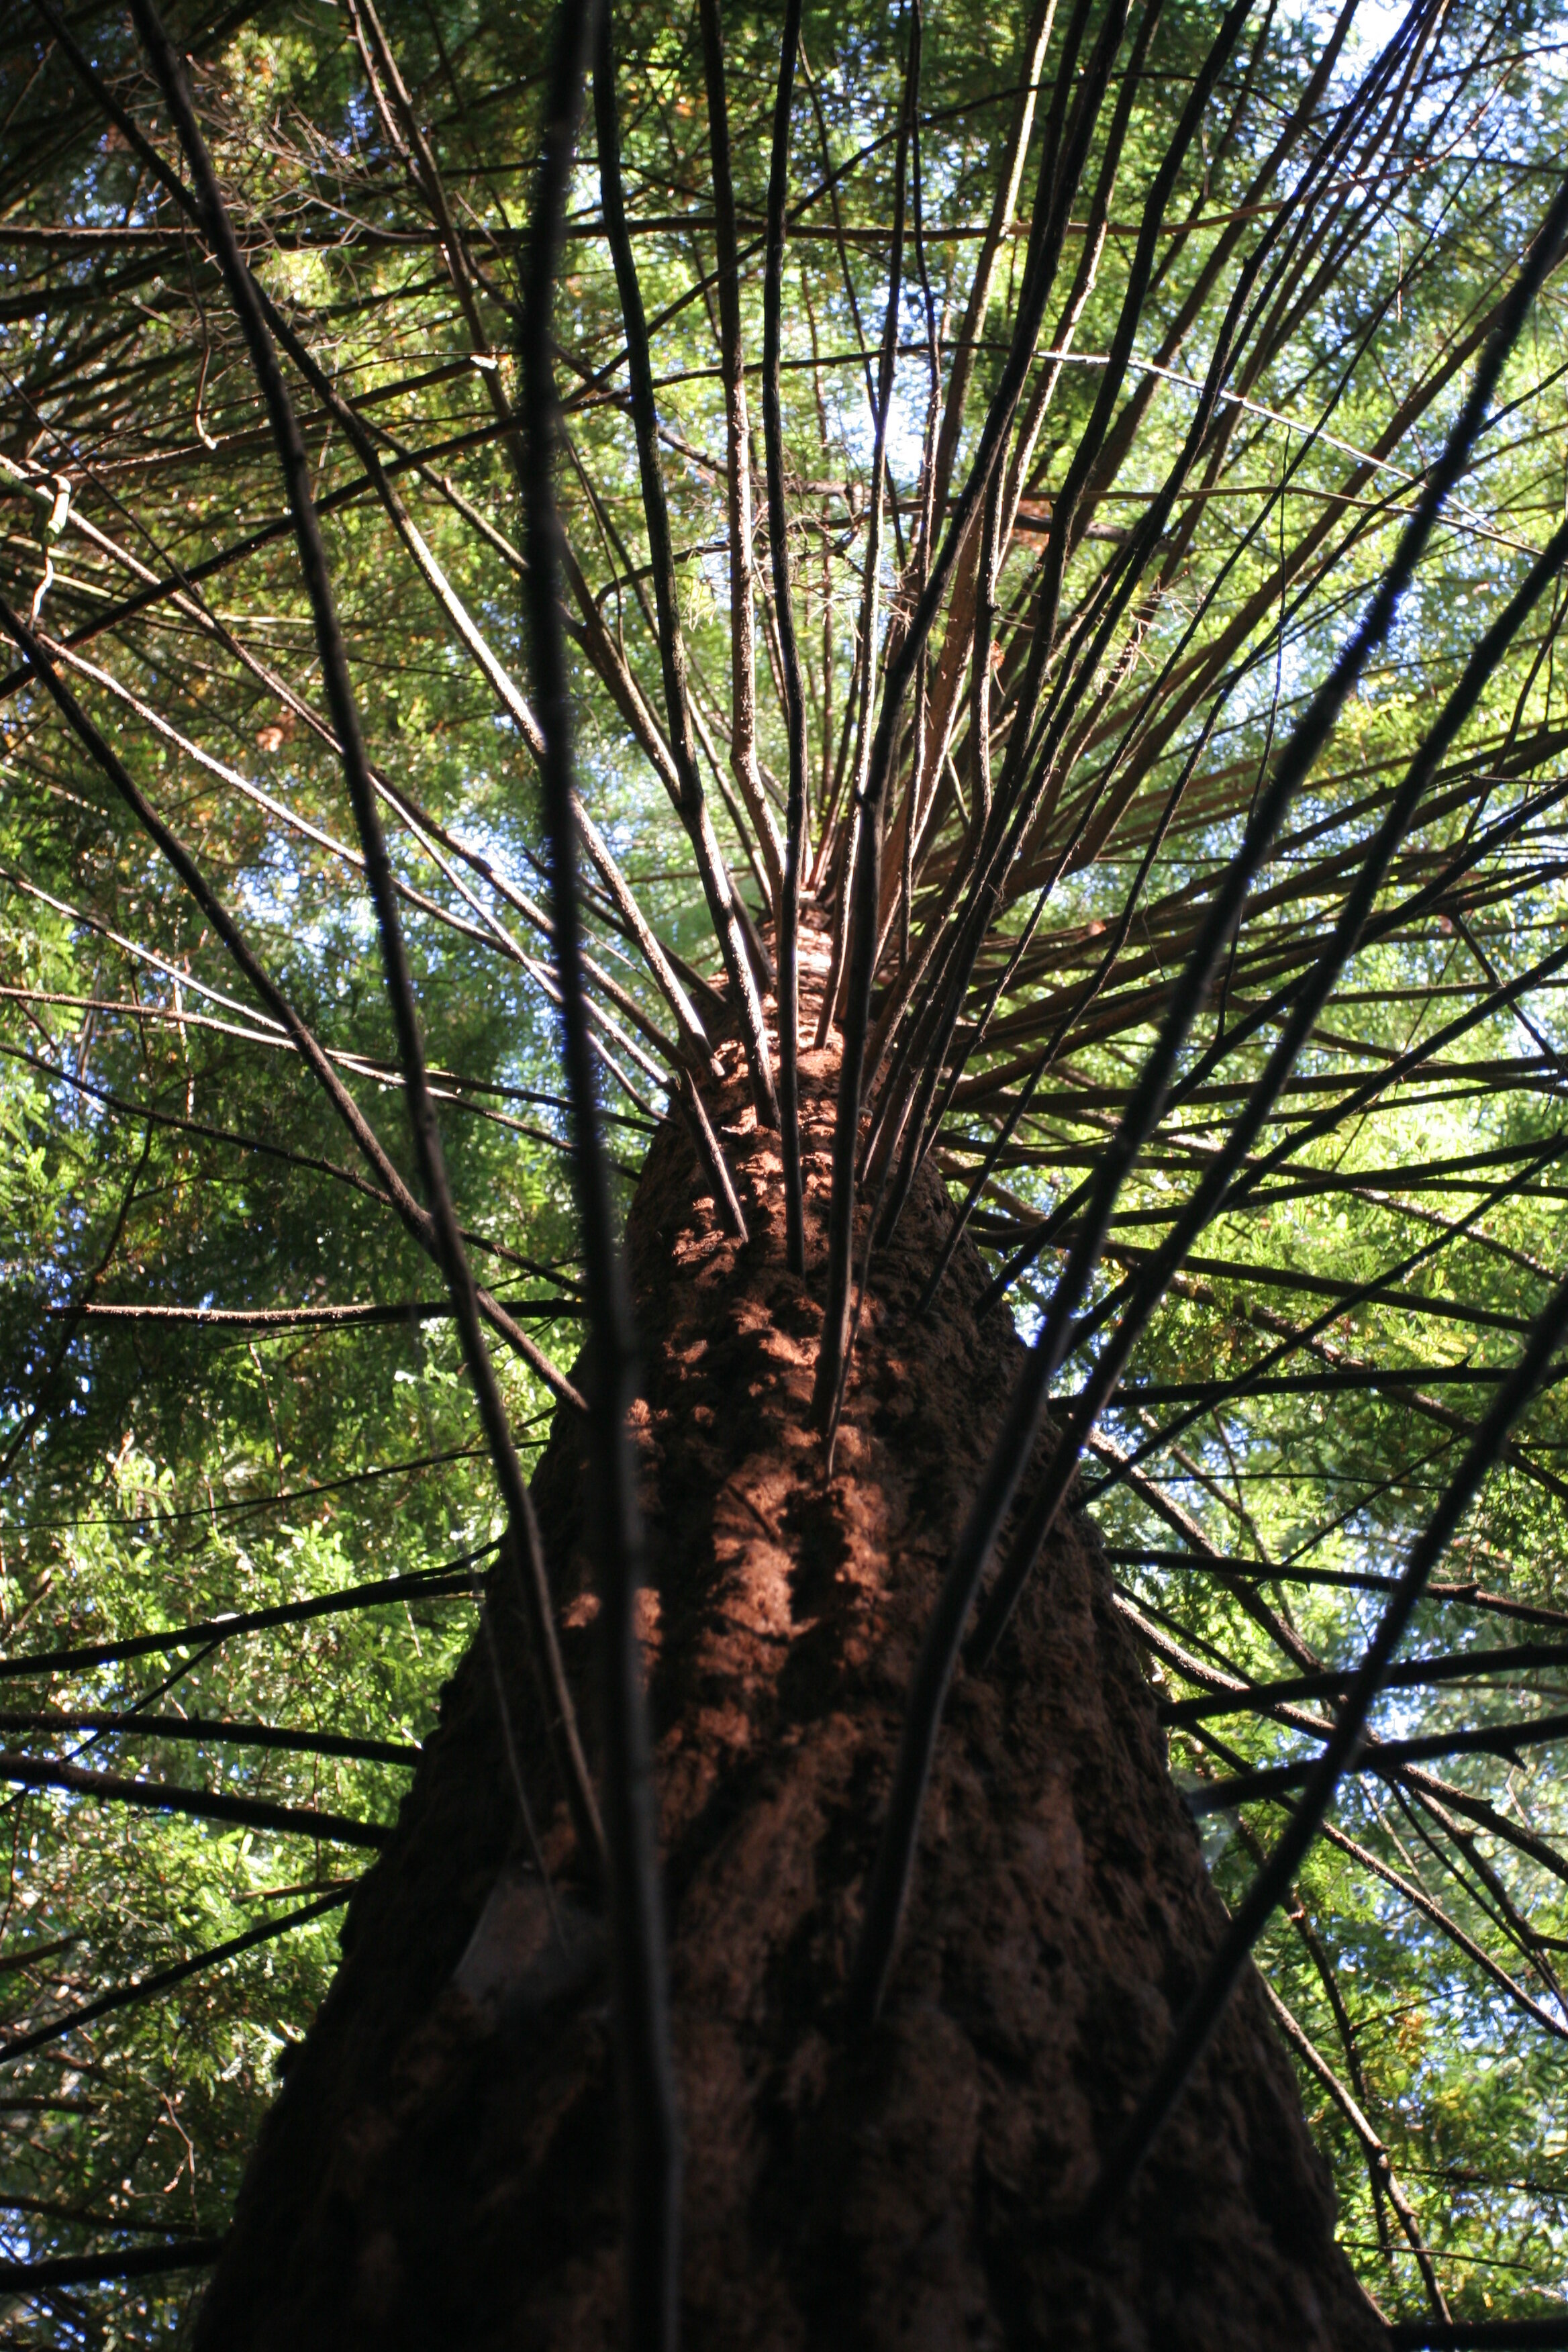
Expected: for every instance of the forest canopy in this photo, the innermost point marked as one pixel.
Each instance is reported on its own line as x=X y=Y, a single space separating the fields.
x=247 y=1496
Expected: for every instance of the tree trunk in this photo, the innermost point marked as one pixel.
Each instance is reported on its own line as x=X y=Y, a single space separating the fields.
x=441 y=2165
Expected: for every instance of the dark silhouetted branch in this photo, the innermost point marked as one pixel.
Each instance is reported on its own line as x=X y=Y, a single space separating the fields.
x=201 y=1804
x=208 y=1729
x=717 y=886
x=1489 y=1739
x=164 y=1979
x=96 y=2270
x=647 y=2086
x=788 y=930
x=436 y=1583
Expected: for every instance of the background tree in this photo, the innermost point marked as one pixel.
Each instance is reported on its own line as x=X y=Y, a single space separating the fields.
x=1057 y=604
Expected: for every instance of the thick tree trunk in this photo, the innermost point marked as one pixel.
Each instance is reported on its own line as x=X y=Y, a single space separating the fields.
x=441 y=2165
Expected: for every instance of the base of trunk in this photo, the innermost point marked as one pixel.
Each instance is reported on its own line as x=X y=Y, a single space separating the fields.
x=441 y=2168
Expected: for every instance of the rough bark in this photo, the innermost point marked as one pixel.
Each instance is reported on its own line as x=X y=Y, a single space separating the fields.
x=440 y=2167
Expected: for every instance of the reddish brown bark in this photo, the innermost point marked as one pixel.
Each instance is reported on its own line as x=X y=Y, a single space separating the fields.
x=440 y=2168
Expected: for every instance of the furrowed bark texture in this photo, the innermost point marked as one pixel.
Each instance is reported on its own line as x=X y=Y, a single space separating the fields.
x=440 y=2167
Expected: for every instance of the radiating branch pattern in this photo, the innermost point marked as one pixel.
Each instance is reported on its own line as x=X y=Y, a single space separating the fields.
x=1008 y=572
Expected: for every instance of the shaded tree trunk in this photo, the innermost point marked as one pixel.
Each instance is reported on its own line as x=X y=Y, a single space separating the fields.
x=440 y=2167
